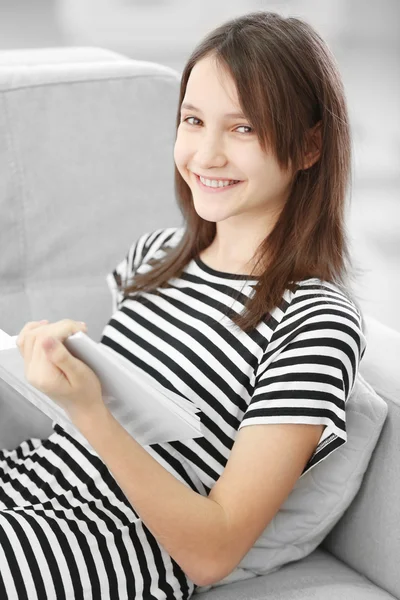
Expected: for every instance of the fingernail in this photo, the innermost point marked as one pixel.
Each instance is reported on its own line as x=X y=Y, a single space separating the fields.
x=44 y=321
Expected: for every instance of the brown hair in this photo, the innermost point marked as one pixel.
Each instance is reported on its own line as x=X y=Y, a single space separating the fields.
x=287 y=82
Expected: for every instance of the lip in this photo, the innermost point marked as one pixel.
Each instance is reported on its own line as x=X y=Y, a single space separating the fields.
x=215 y=190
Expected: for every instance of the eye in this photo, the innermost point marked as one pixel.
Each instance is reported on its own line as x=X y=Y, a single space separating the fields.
x=187 y=119
x=239 y=126
x=246 y=127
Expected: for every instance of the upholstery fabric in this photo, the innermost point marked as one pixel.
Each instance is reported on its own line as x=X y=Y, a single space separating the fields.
x=367 y=537
x=318 y=576
x=86 y=162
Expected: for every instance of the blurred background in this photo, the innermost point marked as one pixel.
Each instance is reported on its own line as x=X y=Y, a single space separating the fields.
x=364 y=36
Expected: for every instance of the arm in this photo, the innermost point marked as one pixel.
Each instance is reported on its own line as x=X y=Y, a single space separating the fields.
x=209 y=536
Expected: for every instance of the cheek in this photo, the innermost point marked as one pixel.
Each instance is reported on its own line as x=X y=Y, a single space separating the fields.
x=176 y=153
x=265 y=170
x=247 y=161
x=182 y=158
x=180 y=153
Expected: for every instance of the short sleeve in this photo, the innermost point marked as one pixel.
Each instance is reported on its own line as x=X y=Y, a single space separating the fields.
x=139 y=252
x=308 y=372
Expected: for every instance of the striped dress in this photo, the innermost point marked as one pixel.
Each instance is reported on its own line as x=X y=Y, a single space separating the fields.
x=66 y=529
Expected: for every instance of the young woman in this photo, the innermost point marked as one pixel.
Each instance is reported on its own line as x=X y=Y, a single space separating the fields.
x=245 y=311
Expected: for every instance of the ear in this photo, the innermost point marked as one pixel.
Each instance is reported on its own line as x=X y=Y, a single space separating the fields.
x=313 y=145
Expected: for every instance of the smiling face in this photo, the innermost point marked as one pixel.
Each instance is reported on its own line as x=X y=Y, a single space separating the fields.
x=214 y=145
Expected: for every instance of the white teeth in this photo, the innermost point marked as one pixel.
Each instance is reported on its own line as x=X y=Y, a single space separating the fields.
x=216 y=183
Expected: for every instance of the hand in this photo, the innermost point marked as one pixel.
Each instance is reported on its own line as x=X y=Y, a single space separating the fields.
x=52 y=369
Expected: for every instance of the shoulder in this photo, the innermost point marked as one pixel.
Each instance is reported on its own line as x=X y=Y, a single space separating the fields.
x=321 y=309
x=315 y=293
x=163 y=237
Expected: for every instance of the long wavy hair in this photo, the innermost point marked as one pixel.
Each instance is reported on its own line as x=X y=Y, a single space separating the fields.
x=287 y=82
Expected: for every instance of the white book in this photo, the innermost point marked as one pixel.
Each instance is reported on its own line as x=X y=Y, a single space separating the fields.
x=149 y=412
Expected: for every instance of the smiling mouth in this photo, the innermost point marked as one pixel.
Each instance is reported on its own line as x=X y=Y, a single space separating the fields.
x=223 y=179
x=215 y=189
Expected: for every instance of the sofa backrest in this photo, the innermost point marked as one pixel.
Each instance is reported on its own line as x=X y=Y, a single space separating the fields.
x=368 y=535
x=86 y=167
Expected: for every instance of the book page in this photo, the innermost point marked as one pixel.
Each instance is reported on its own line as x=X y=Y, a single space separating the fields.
x=149 y=414
x=7 y=341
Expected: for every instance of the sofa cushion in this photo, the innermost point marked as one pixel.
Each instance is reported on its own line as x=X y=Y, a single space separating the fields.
x=316 y=577
x=321 y=495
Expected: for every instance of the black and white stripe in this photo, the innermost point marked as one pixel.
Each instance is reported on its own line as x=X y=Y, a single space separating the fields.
x=68 y=531
x=297 y=367
x=64 y=519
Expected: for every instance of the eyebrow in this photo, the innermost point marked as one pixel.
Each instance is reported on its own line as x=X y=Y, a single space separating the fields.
x=228 y=115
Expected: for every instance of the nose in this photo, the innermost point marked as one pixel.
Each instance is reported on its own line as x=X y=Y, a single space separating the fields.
x=210 y=152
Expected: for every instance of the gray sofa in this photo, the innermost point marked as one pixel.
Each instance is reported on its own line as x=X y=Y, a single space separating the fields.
x=86 y=166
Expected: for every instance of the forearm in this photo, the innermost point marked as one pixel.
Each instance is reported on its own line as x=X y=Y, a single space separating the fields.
x=189 y=526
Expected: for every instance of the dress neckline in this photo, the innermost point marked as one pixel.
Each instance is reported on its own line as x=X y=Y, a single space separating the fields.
x=223 y=274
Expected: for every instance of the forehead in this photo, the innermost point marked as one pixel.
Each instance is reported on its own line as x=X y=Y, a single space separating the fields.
x=211 y=84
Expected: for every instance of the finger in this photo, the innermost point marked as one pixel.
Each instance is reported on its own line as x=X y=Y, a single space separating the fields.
x=64 y=328
x=59 y=330
x=59 y=356
x=42 y=373
x=28 y=327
